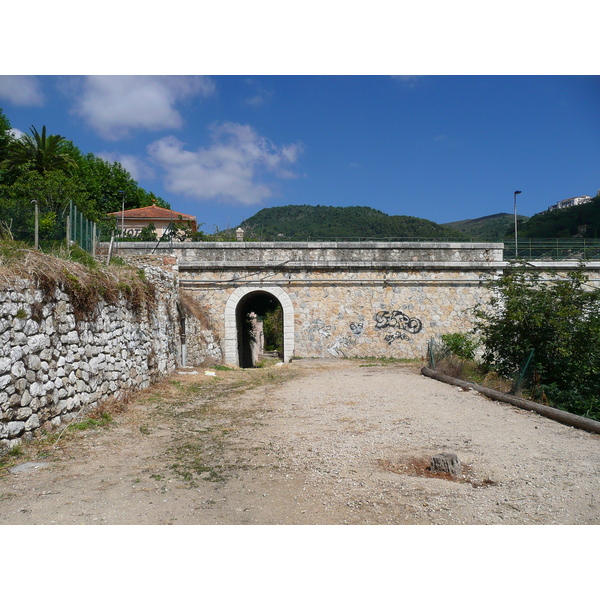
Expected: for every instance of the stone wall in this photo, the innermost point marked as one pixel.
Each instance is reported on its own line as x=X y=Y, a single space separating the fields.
x=349 y=313
x=341 y=299
x=54 y=365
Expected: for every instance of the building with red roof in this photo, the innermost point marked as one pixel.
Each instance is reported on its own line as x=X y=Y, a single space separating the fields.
x=132 y=221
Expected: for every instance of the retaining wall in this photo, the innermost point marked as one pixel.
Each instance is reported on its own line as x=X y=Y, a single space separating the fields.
x=53 y=364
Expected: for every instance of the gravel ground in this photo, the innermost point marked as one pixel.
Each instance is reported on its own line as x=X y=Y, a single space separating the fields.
x=313 y=442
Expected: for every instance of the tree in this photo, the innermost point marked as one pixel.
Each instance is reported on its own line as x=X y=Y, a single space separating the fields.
x=104 y=182
x=42 y=153
x=5 y=135
x=557 y=318
x=273 y=330
x=52 y=192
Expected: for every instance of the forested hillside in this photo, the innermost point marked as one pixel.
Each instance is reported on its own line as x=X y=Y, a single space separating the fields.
x=582 y=220
x=490 y=228
x=304 y=222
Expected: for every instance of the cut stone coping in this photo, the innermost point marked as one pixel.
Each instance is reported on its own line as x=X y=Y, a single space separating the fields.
x=546 y=411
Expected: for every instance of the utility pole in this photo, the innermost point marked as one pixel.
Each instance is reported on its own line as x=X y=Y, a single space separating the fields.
x=37 y=224
x=122 y=193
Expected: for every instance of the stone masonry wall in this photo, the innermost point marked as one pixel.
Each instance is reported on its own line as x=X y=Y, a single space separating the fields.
x=53 y=365
x=341 y=299
x=350 y=313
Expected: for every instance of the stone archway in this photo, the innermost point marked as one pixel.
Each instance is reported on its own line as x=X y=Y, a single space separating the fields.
x=232 y=355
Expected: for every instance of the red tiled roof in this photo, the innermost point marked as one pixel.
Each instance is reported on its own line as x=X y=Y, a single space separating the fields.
x=152 y=212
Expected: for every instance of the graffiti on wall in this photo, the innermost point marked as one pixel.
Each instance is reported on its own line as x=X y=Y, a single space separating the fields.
x=397 y=319
x=397 y=324
x=321 y=328
x=397 y=335
x=341 y=344
x=357 y=328
x=345 y=342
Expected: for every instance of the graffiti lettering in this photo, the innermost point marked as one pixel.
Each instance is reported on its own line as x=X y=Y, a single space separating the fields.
x=397 y=335
x=396 y=319
x=357 y=328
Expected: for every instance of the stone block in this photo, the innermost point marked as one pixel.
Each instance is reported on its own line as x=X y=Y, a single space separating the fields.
x=446 y=462
x=18 y=369
x=33 y=422
x=4 y=381
x=15 y=428
x=5 y=365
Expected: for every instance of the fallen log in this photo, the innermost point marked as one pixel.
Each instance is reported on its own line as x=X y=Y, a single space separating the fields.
x=547 y=411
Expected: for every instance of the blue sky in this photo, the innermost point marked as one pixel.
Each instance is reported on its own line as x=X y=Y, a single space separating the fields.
x=221 y=148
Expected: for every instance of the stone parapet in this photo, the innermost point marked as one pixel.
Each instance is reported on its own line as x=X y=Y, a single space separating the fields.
x=314 y=254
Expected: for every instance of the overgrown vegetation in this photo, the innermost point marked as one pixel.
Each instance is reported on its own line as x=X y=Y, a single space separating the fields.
x=77 y=274
x=273 y=330
x=539 y=331
x=461 y=345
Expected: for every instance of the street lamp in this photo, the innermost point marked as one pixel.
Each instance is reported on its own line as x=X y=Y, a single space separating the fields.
x=515 y=199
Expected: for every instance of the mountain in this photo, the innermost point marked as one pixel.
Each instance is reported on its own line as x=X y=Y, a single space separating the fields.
x=304 y=222
x=493 y=227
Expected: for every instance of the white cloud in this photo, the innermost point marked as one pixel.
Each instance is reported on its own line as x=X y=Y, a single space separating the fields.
x=116 y=105
x=22 y=90
x=233 y=168
x=260 y=97
x=135 y=166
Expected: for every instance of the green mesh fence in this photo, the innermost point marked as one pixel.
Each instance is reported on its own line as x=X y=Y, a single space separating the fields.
x=82 y=231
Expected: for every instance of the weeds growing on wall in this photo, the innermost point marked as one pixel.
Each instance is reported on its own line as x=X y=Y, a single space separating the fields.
x=75 y=273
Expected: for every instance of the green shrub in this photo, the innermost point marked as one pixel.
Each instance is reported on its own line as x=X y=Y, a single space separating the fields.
x=462 y=345
x=556 y=317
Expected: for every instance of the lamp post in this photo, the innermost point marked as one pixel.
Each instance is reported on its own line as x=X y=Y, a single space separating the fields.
x=515 y=200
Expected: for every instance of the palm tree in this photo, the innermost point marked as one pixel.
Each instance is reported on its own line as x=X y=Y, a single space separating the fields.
x=41 y=153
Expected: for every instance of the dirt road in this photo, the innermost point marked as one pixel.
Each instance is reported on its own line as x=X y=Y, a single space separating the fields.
x=313 y=442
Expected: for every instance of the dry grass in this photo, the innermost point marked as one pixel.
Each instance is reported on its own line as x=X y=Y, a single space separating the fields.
x=192 y=308
x=466 y=370
x=86 y=285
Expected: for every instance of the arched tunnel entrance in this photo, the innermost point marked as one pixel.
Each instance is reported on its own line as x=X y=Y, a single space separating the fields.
x=259 y=318
x=255 y=315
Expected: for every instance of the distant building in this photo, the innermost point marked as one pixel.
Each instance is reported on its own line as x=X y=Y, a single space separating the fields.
x=132 y=221
x=570 y=202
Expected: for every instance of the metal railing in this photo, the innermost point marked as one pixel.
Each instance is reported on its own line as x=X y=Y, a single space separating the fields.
x=552 y=249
